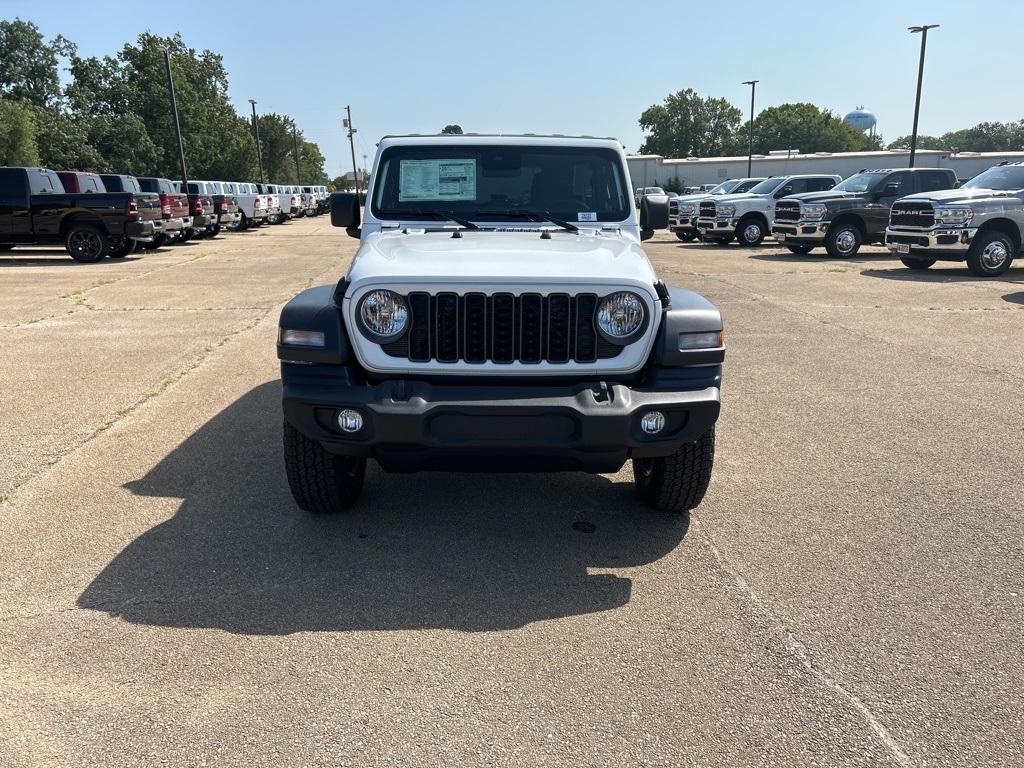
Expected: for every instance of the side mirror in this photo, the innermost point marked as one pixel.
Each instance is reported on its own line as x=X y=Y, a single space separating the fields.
x=345 y=212
x=654 y=212
x=783 y=192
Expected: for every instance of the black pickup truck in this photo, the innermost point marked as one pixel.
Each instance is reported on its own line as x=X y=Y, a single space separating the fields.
x=35 y=209
x=854 y=212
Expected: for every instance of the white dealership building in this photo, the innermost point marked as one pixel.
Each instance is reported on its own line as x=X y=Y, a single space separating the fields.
x=655 y=170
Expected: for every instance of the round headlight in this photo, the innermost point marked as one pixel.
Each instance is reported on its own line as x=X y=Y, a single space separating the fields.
x=620 y=315
x=384 y=315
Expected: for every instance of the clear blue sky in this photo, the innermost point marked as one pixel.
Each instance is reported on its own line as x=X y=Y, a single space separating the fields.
x=573 y=67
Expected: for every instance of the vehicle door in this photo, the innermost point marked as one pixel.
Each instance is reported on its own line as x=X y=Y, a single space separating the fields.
x=15 y=224
x=932 y=181
x=47 y=203
x=896 y=185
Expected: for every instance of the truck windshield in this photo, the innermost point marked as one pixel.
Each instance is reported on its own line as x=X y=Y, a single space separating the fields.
x=1003 y=177
x=472 y=181
x=860 y=182
x=767 y=186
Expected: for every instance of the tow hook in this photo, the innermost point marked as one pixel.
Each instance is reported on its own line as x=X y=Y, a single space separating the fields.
x=602 y=395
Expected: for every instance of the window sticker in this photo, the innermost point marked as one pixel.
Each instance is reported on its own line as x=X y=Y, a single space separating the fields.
x=437 y=180
x=586 y=216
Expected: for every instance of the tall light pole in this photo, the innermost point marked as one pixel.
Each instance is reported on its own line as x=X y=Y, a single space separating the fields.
x=295 y=139
x=259 y=150
x=177 y=125
x=923 y=29
x=347 y=123
x=750 y=131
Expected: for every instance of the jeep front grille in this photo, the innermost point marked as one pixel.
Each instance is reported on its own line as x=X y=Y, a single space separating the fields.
x=502 y=328
x=787 y=211
x=910 y=214
x=707 y=210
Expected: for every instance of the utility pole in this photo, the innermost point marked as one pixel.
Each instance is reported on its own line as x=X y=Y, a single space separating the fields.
x=923 y=29
x=177 y=124
x=259 y=150
x=347 y=123
x=295 y=137
x=750 y=126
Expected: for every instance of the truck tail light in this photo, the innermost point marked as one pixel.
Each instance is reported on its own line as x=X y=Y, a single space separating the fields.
x=165 y=205
x=197 y=207
x=223 y=205
x=258 y=202
x=131 y=208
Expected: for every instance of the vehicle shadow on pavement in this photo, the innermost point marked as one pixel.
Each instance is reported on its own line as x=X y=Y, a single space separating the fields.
x=470 y=552
x=41 y=258
x=956 y=273
x=1014 y=298
x=816 y=258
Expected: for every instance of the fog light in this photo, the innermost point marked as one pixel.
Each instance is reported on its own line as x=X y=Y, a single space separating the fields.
x=350 y=421
x=653 y=422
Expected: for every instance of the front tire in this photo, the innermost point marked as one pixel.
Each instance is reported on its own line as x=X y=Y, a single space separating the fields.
x=800 y=250
x=686 y=237
x=86 y=243
x=918 y=264
x=843 y=240
x=990 y=254
x=320 y=482
x=677 y=483
x=750 y=232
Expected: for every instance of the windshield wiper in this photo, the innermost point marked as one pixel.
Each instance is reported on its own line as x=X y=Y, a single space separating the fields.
x=538 y=216
x=464 y=223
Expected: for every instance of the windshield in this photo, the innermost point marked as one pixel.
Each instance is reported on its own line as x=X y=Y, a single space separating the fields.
x=725 y=187
x=473 y=181
x=859 y=182
x=767 y=186
x=654 y=191
x=1005 y=177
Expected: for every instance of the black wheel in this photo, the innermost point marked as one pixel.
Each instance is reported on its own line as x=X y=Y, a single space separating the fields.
x=215 y=230
x=801 y=250
x=910 y=263
x=121 y=247
x=86 y=243
x=158 y=241
x=750 y=232
x=990 y=254
x=320 y=482
x=686 y=237
x=243 y=223
x=843 y=240
x=677 y=483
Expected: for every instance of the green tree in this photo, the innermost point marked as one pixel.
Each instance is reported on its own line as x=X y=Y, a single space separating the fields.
x=923 y=142
x=687 y=125
x=801 y=126
x=277 y=144
x=29 y=64
x=17 y=134
x=64 y=143
x=987 y=137
x=311 y=161
x=342 y=182
x=452 y=129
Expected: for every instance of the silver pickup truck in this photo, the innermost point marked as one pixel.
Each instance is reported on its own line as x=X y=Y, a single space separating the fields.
x=980 y=223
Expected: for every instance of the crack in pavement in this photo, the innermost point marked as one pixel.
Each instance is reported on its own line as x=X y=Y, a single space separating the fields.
x=799 y=650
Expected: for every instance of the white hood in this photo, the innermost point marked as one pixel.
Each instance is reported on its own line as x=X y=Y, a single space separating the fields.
x=502 y=257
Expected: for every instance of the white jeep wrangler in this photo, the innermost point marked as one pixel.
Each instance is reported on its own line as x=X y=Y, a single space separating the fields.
x=499 y=315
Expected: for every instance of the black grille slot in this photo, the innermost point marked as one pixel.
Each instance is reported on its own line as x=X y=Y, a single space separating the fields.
x=419 y=331
x=475 y=327
x=502 y=328
x=787 y=211
x=920 y=215
x=503 y=324
x=586 y=336
x=531 y=328
x=707 y=209
x=559 y=319
x=447 y=327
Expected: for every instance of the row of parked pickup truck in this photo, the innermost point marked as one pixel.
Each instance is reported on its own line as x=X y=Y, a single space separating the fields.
x=922 y=215
x=96 y=216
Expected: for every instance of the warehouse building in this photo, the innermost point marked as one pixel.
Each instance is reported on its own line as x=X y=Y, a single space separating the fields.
x=655 y=170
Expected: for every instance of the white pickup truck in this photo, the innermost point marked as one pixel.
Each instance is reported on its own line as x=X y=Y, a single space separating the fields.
x=748 y=216
x=499 y=314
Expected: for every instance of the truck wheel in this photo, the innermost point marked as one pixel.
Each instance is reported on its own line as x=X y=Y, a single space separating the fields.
x=990 y=254
x=843 y=241
x=910 y=263
x=243 y=223
x=157 y=242
x=121 y=247
x=86 y=243
x=320 y=482
x=677 y=483
x=750 y=232
x=686 y=237
x=214 y=230
x=800 y=250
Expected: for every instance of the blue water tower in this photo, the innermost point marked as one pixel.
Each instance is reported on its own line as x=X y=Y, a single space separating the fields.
x=862 y=120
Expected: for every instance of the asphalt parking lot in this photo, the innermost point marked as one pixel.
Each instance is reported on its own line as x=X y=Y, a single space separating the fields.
x=851 y=592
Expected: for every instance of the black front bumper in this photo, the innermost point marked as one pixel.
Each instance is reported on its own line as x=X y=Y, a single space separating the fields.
x=415 y=425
